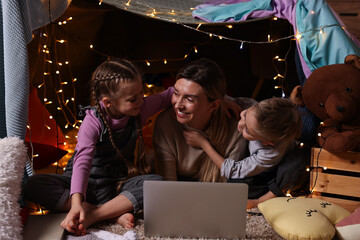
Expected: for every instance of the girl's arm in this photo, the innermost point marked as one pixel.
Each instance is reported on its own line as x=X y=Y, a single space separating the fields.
x=155 y=103
x=75 y=217
x=196 y=139
x=88 y=137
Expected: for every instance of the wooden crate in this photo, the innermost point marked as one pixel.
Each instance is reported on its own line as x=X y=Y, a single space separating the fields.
x=340 y=180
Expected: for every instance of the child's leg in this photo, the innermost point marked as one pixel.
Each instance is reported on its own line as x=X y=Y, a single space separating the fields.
x=114 y=208
x=252 y=203
x=49 y=190
x=121 y=207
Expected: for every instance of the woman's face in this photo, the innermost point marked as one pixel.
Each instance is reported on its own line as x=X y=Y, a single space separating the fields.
x=191 y=104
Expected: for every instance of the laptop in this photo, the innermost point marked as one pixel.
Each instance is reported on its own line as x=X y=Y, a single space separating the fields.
x=195 y=209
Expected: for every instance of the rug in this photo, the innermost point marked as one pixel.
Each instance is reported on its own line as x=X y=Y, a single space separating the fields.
x=256 y=228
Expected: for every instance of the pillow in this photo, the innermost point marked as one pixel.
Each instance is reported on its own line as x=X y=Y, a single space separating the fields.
x=46 y=154
x=349 y=227
x=302 y=218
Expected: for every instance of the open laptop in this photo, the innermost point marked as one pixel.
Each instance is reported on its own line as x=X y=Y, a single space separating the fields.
x=195 y=209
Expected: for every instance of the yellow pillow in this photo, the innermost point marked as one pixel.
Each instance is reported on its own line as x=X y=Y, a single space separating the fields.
x=302 y=218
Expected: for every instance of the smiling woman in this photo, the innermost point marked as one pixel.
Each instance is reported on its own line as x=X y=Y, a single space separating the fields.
x=197 y=105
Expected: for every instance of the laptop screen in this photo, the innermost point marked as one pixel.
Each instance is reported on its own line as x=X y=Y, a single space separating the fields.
x=195 y=209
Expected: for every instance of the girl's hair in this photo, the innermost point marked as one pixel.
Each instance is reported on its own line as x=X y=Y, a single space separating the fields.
x=278 y=119
x=211 y=78
x=107 y=81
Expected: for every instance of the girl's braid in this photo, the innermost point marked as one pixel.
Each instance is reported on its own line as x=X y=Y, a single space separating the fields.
x=132 y=170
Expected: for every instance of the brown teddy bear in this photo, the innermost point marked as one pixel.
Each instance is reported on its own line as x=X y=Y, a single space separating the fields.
x=332 y=93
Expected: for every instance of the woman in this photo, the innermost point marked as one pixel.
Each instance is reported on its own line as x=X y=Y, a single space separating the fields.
x=197 y=105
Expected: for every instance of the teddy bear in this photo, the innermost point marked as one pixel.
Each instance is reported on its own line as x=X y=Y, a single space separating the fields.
x=332 y=93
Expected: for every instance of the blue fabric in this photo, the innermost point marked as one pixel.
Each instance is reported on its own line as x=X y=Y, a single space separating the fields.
x=318 y=49
x=222 y=13
x=2 y=81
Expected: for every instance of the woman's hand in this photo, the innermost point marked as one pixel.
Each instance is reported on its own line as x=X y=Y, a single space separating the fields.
x=76 y=216
x=194 y=138
x=232 y=106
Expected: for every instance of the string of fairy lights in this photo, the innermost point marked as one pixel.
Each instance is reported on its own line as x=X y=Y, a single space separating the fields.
x=64 y=85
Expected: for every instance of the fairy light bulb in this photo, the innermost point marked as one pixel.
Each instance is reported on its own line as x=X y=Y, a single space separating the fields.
x=195 y=50
x=241 y=45
x=148 y=63
x=165 y=61
x=91 y=46
x=229 y=26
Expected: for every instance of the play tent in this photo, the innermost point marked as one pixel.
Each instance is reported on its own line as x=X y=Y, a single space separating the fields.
x=322 y=38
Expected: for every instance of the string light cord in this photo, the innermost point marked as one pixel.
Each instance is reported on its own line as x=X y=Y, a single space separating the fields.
x=263 y=42
x=318 y=156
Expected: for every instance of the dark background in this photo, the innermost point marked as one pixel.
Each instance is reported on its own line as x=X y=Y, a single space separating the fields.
x=118 y=33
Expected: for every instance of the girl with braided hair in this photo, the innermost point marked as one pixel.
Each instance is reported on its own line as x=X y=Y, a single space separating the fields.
x=104 y=179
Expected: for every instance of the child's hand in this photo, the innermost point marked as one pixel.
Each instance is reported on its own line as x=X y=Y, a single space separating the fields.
x=233 y=107
x=74 y=219
x=194 y=138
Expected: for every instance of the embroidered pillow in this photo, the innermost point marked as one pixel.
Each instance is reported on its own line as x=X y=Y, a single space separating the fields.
x=302 y=218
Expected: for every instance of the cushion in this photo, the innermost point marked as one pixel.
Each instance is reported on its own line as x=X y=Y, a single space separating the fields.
x=45 y=154
x=349 y=227
x=302 y=218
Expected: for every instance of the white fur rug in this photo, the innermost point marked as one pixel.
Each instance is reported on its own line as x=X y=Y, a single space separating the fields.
x=12 y=164
x=256 y=228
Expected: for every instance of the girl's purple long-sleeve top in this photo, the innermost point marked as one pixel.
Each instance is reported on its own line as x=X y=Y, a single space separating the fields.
x=90 y=131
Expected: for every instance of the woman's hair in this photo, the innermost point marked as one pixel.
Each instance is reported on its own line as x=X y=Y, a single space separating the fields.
x=211 y=78
x=278 y=119
x=107 y=81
